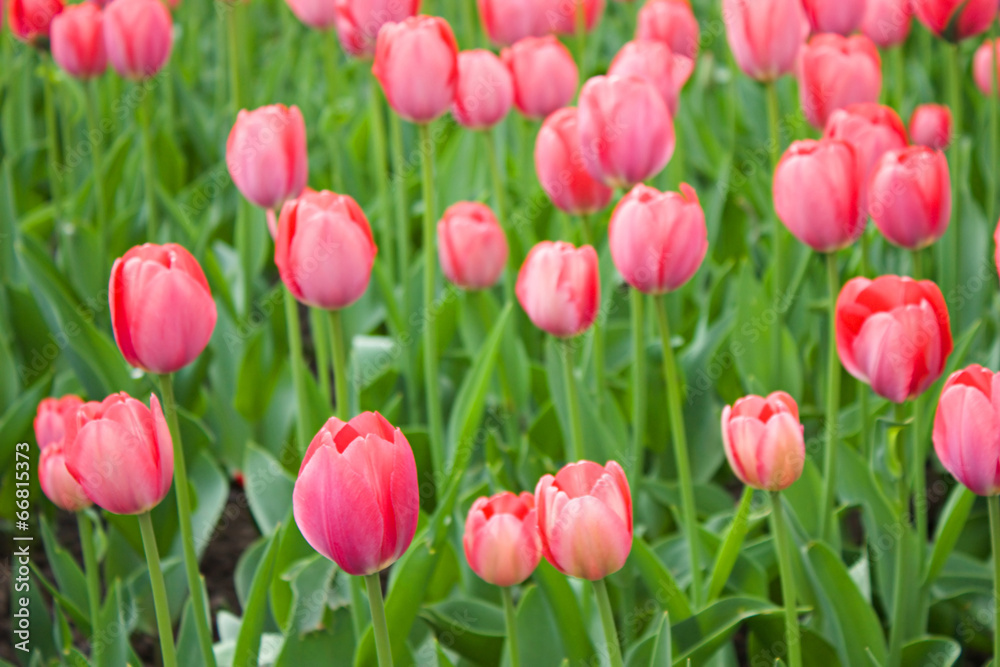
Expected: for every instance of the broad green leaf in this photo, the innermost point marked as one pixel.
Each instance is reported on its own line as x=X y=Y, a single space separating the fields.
x=949 y=528
x=268 y=486
x=565 y=610
x=659 y=580
x=931 y=652
x=697 y=638
x=255 y=609
x=539 y=640
x=474 y=628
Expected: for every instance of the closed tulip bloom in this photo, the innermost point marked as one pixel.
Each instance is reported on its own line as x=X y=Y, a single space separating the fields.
x=55 y=420
x=672 y=22
x=910 y=196
x=836 y=16
x=585 y=519
x=626 y=131
x=57 y=484
x=272 y=218
x=325 y=250
x=544 y=75
x=416 y=62
x=501 y=538
x=658 y=239
x=266 y=154
x=930 y=125
x=967 y=429
x=765 y=36
x=507 y=21
x=31 y=20
x=162 y=310
x=560 y=167
x=559 y=287
x=356 y=500
x=887 y=22
x=816 y=194
x=359 y=21
x=138 y=36
x=762 y=438
x=655 y=62
x=561 y=15
x=485 y=90
x=955 y=20
x=78 y=41
x=983 y=69
x=893 y=333
x=471 y=245
x=318 y=14
x=836 y=72
x=123 y=456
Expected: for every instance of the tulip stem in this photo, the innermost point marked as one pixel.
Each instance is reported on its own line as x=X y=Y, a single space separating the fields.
x=783 y=545
x=298 y=369
x=93 y=582
x=233 y=39
x=320 y=339
x=919 y=476
x=896 y=55
x=608 y=623
x=679 y=437
x=382 y=645
x=574 y=451
x=52 y=137
x=382 y=177
x=954 y=245
x=499 y=204
x=160 y=604
x=96 y=145
x=580 y=21
x=148 y=170
x=511 y=618
x=638 y=384
x=184 y=519
x=341 y=391
x=991 y=182
x=730 y=549
x=832 y=399
x=774 y=146
x=994 y=504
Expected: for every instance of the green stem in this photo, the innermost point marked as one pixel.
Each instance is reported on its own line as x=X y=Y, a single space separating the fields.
x=730 y=549
x=183 y=494
x=160 y=604
x=598 y=329
x=330 y=50
x=500 y=208
x=321 y=340
x=608 y=623
x=953 y=249
x=899 y=74
x=777 y=262
x=52 y=138
x=511 y=618
x=679 y=437
x=896 y=630
x=637 y=300
x=382 y=177
x=783 y=545
x=358 y=617
x=232 y=38
x=994 y=505
x=97 y=155
x=580 y=20
x=575 y=449
x=298 y=369
x=919 y=478
x=863 y=390
x=148 y=170
x=382 y=645
x=832 y=400
x=510 y=405
x=337 y=342
x=93 y=582
x=991 y=181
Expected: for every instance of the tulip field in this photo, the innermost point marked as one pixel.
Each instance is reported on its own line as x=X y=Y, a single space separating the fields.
x=499 y=333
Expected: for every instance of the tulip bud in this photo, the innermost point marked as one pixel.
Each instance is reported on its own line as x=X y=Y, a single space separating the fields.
x=56 y=420
x=123 y=455
x=559 y=287
x=765 y=36
x=472 y=246
x=887 y=22
x=654 y=62
x=31 y=20
x=626 y=132
x=955 y=20
x=672 y=22
x=359 y=21
x=266 y=154
x=501 y=538
x=138 y=36
x=893 y=333
x=836 y=72
x=837 y=16
x=56 y=482
x=930 y=125
x=585 y=519
x=983 y=69
x=272 y=218
x=317 y=14
x=561 y=16
x=325 y=250
x=658 y=239
x=762 y=438
x=416 y=63
x=910 y=196
x=356 y=500
x=967 y=429
x=560 y=168
x=78 y=41
x=819 y=171
x=507 y=21
x=484 y=92
x=544 y=75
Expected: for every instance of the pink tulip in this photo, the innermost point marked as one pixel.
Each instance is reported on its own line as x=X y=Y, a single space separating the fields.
x=967 y=429
x=762 y=438
x=266 y=154
x=138 y=36
x=507 y=21
x=272 y=218
x=930 y=125
x=626 y=131
x=559 y=287
x=472 y=246
x=544 y=75
x=765 y=36
x=416 y=62
x=836 y=16
x=560 y=168
x=835 y=72
x=893 y=333
x=585 y=519
x=31 y=20
x=78 y=41
x=655 y=62
x=325 y=250
x=56 y=482
x=955 y=20
x=910 y=196
x=983 y=69
x=317 y=14
x=561 y=15
x=123 y=455
x=887 y=22
x=356 y=500
x=501 y=539
x=672 y=22
x=816 y=194
x=359 y=21
x=56 y=420
x=996 y=245
x=485 y=90
x=658 y=239
x=162 y=311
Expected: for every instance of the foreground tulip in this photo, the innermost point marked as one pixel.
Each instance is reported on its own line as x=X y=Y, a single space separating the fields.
x=416 y=63
x=501 y=538
x=765 y=36
x=544 y=75
x=835 y=72
x=967 y=429
x=983 y=69
x=834 y=16
x=31 y=20
x=930 y=125
x=910 y=196
x=507 y=21
x=138 y=36
x=560 y=167
x=485 y=90
x=559 y=287
x=78 y=41
x=887 y=22
x=955 y=20
x=359 y=21
x=55 y=420
x=671 y=22
x=162 y=311
x=472 y=246
x=266 y=154
x=763 y=441
x=893 y=333
x=655 y=62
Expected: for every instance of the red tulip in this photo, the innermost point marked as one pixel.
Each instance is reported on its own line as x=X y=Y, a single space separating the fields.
x=585 y=519
x=930 y=125
x=560 y=168
x=325 y=250
x=955 y=20
x=507 y=21
x=983 y=69
x=138 y=36
x=816 y=194
x=485 y=90
x=967 y=429
x=561 y=15
x=416 y=62
x=893 y=334
x=266 y=154
x=655 y=62
x=910 y=196
x=559 y=287
x=544 y=75
x=162 y=310
x=836 y=72
x=32 y=19
x=472 y=246
x=658 y=239
x=501 y=538
x=356 y=500
x=55 y=420
x=762 y=438
x=837 y=16
x=672 y=22
x=56 y=482
x=78 y=41
x=123 y=455
x=359 y=21
x=887 y=22
x=765 y=36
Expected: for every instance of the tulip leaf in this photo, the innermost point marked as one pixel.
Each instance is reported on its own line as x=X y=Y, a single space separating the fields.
x=697 y=638
x=255 y=609
x=949 y=528
x=931 y=652
x=726 y=557
x=69 y=576
x=566 y=610
x=17 y=419
x=662 y=652
x=330 y=645
x=539 y=640
x=474 y=629
x=659 y=580
x=268 y=486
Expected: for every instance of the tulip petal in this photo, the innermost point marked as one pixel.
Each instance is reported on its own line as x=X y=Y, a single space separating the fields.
x=589 y=540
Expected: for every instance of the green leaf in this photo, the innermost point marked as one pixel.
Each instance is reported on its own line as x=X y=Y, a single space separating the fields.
x=539 y=640
x=726 y=557
x=566 y=612
x=17 y=419
x=659 y=580
x=117 y=621
x=662 y=653
x=69 y=576
x=699 y=637
x=931 y=652
x=255 y=610
x=949 y=529
x=268 y=486
x=475 y=628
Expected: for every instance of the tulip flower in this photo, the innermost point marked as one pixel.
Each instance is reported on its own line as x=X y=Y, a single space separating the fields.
x=317 y=14
x=910 y=196
x=672 y=22
x=765 y=36
x=325 y=250
x=955 y=20
x=272 y=218
x=626 y=131
x=559 y=287
x=57 y=483
x=967 y=429
x=893 y=333
x=655 y=62
x=658 y=239
x=162 y=311
x=78 y=41
x=544 y=75
x=416 y=63
x=560 y=168
x=31 y=20
x=983 y=69
x=55 y=420
x=834 y=16
x=835 y=72
x=507 y=21
x=887 y=22
x=996 y=245
x=472 y=246
x=138 y=36
x=501 y=539
x=763 y=441
x=266 y=154
x=358 y=21
x=485 y=90
x=561 y=15
x=930 y=125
